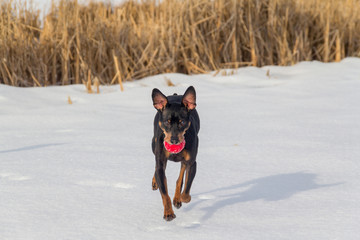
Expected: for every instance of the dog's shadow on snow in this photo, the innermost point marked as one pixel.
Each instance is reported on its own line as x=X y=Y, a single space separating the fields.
x=271 y=188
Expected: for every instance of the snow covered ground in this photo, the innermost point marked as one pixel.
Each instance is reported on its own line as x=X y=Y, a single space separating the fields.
x=279 y=158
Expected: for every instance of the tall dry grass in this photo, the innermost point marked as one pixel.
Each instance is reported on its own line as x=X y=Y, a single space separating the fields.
x=75 y=43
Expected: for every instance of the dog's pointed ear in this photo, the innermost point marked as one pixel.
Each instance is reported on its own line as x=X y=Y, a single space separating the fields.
x=189 y=98
x=159 y=100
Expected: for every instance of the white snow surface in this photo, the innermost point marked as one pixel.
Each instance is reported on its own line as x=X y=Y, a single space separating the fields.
x=279 y=158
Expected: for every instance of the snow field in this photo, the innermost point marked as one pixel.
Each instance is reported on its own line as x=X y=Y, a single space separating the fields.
x=278 y=158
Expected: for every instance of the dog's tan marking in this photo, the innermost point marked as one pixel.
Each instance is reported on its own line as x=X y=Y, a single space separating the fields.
x=186 y=155
x=167 y=154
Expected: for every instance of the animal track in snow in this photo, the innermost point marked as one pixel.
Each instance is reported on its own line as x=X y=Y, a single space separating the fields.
x=157 y=228
x=190 y=224
x=13 y=176
x=123 y=185
x=100 y=183
x=206 y=197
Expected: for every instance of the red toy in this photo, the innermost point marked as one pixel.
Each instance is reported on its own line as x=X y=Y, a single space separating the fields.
x=174 y=148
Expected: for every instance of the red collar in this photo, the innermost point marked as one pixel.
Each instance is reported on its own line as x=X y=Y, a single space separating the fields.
x=174 y=148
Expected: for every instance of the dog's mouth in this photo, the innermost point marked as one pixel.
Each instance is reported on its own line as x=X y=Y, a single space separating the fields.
x=174 y=148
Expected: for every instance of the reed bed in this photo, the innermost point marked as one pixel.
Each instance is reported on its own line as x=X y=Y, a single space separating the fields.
x=77 y=43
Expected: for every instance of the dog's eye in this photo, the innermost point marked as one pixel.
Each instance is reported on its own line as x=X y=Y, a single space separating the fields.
x=167 y=123
x=181 y=122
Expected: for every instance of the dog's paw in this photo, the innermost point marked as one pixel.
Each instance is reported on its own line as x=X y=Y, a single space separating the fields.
x=177 y=203
x=169 y=216
x=185 y=198
x=154 y=185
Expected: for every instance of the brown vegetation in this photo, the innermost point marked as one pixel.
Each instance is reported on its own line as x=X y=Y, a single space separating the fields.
x=75 y=43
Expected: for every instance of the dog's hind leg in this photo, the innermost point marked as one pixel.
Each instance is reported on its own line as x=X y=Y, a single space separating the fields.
x=179 y=184
x=190 y=174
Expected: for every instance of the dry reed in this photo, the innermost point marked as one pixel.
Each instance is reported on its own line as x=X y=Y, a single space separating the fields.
x=76 y=43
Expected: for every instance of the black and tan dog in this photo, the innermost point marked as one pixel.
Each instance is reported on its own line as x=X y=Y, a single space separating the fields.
x=176 y=127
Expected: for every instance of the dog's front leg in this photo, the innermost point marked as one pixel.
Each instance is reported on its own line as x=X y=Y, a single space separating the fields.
x=162 y=184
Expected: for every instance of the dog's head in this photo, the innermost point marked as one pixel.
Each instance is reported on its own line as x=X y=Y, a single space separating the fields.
x=174 y=115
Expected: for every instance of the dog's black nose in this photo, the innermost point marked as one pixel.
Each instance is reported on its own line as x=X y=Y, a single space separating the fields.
x=174 y=140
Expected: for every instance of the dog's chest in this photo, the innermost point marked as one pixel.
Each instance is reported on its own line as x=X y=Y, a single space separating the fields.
x=176 y=157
